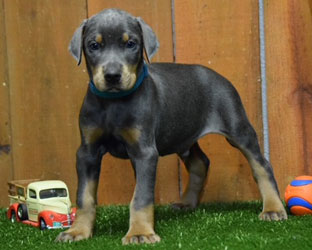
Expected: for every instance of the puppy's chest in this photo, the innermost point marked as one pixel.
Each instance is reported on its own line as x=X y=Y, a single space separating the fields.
x=122 y=138
x=116 y=124
x=114 y=141
x=114 y=132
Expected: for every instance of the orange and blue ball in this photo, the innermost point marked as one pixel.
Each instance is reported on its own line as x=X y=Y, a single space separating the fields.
x=298 y=195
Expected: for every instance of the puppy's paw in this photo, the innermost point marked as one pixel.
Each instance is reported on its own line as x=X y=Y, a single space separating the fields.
x=182 y=206
x=73 y=235
x=139 y=239
x=273 y=216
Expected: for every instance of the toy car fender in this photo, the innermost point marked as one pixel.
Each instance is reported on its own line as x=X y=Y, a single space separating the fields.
x=52 y=220
x=12 y=213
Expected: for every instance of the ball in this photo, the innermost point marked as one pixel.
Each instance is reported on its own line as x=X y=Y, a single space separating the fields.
x=298 y=195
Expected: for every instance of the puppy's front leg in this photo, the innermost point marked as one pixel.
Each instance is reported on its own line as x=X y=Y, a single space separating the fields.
x=141 y=228
x=88 y=168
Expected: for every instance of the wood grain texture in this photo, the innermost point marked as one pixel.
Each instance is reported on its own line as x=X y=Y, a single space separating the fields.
x=6 y=164
x=117 y=179
x=41 y=89
x=46 y=89
x=223 y=35
x=289 y=63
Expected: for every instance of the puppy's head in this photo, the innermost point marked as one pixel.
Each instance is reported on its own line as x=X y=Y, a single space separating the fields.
x=113 y=42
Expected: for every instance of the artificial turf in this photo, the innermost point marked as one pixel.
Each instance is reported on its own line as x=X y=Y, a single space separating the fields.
x=211 y=226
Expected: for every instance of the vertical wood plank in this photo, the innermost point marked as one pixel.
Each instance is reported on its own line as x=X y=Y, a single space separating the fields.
x=46 y=89
x=6 y=165
x=289 y=63
x=223 y=35
x=41 y=89
x=117 y=179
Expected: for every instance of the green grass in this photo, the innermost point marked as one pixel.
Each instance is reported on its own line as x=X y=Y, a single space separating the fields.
x=211 y=226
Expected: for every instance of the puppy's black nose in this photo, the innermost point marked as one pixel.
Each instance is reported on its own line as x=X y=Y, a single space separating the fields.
x=112 y=78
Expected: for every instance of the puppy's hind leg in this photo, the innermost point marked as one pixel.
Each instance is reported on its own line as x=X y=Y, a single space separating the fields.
x=197 y=165
x=244 y=138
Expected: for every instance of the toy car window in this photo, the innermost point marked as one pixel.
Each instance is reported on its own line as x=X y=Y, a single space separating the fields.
x=53 y=193
x=20 y=191
x=32 y=194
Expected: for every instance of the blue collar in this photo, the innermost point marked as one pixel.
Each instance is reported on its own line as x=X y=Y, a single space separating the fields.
x=114 y=95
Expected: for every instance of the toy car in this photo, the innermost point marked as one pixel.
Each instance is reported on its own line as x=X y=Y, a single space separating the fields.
x=43 y=204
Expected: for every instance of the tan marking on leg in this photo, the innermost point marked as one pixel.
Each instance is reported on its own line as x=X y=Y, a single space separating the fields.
x=128 y=76
x=85 y=217
x=91 y=134
x=141 y=221
x=130 y=135
x=196 y=165
x=125 y=37
x=99 y=38
x=197 y=176
x=141 y=229
x=271 y=201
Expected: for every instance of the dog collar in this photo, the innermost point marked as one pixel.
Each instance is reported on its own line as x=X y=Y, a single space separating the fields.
x=119 y=94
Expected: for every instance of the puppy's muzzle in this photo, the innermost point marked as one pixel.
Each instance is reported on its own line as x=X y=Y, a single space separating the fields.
x=112 y=78
x=112 y=74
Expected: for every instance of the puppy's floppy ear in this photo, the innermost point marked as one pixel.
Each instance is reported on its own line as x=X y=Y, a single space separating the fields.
x=150 y=41
x=75 y=46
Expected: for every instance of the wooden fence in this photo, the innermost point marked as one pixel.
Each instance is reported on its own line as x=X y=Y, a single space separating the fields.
x=41 y=89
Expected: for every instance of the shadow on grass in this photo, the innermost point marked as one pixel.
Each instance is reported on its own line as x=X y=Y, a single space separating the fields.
x=114 y=220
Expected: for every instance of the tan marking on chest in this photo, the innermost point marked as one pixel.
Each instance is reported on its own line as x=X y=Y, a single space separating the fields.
x=130 y=135
x=91 y=135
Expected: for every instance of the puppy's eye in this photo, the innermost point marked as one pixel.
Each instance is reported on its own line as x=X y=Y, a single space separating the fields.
x=131 y=44
x=94 y=46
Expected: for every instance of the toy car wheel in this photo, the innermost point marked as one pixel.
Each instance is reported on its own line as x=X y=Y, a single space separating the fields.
x=22 y=212
x=43 y=224
x=13 y=217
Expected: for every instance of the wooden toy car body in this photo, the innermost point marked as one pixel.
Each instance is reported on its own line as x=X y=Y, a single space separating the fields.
x=43 y=204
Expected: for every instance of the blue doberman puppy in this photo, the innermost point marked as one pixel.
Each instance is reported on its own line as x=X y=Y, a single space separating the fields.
x=139 y=111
